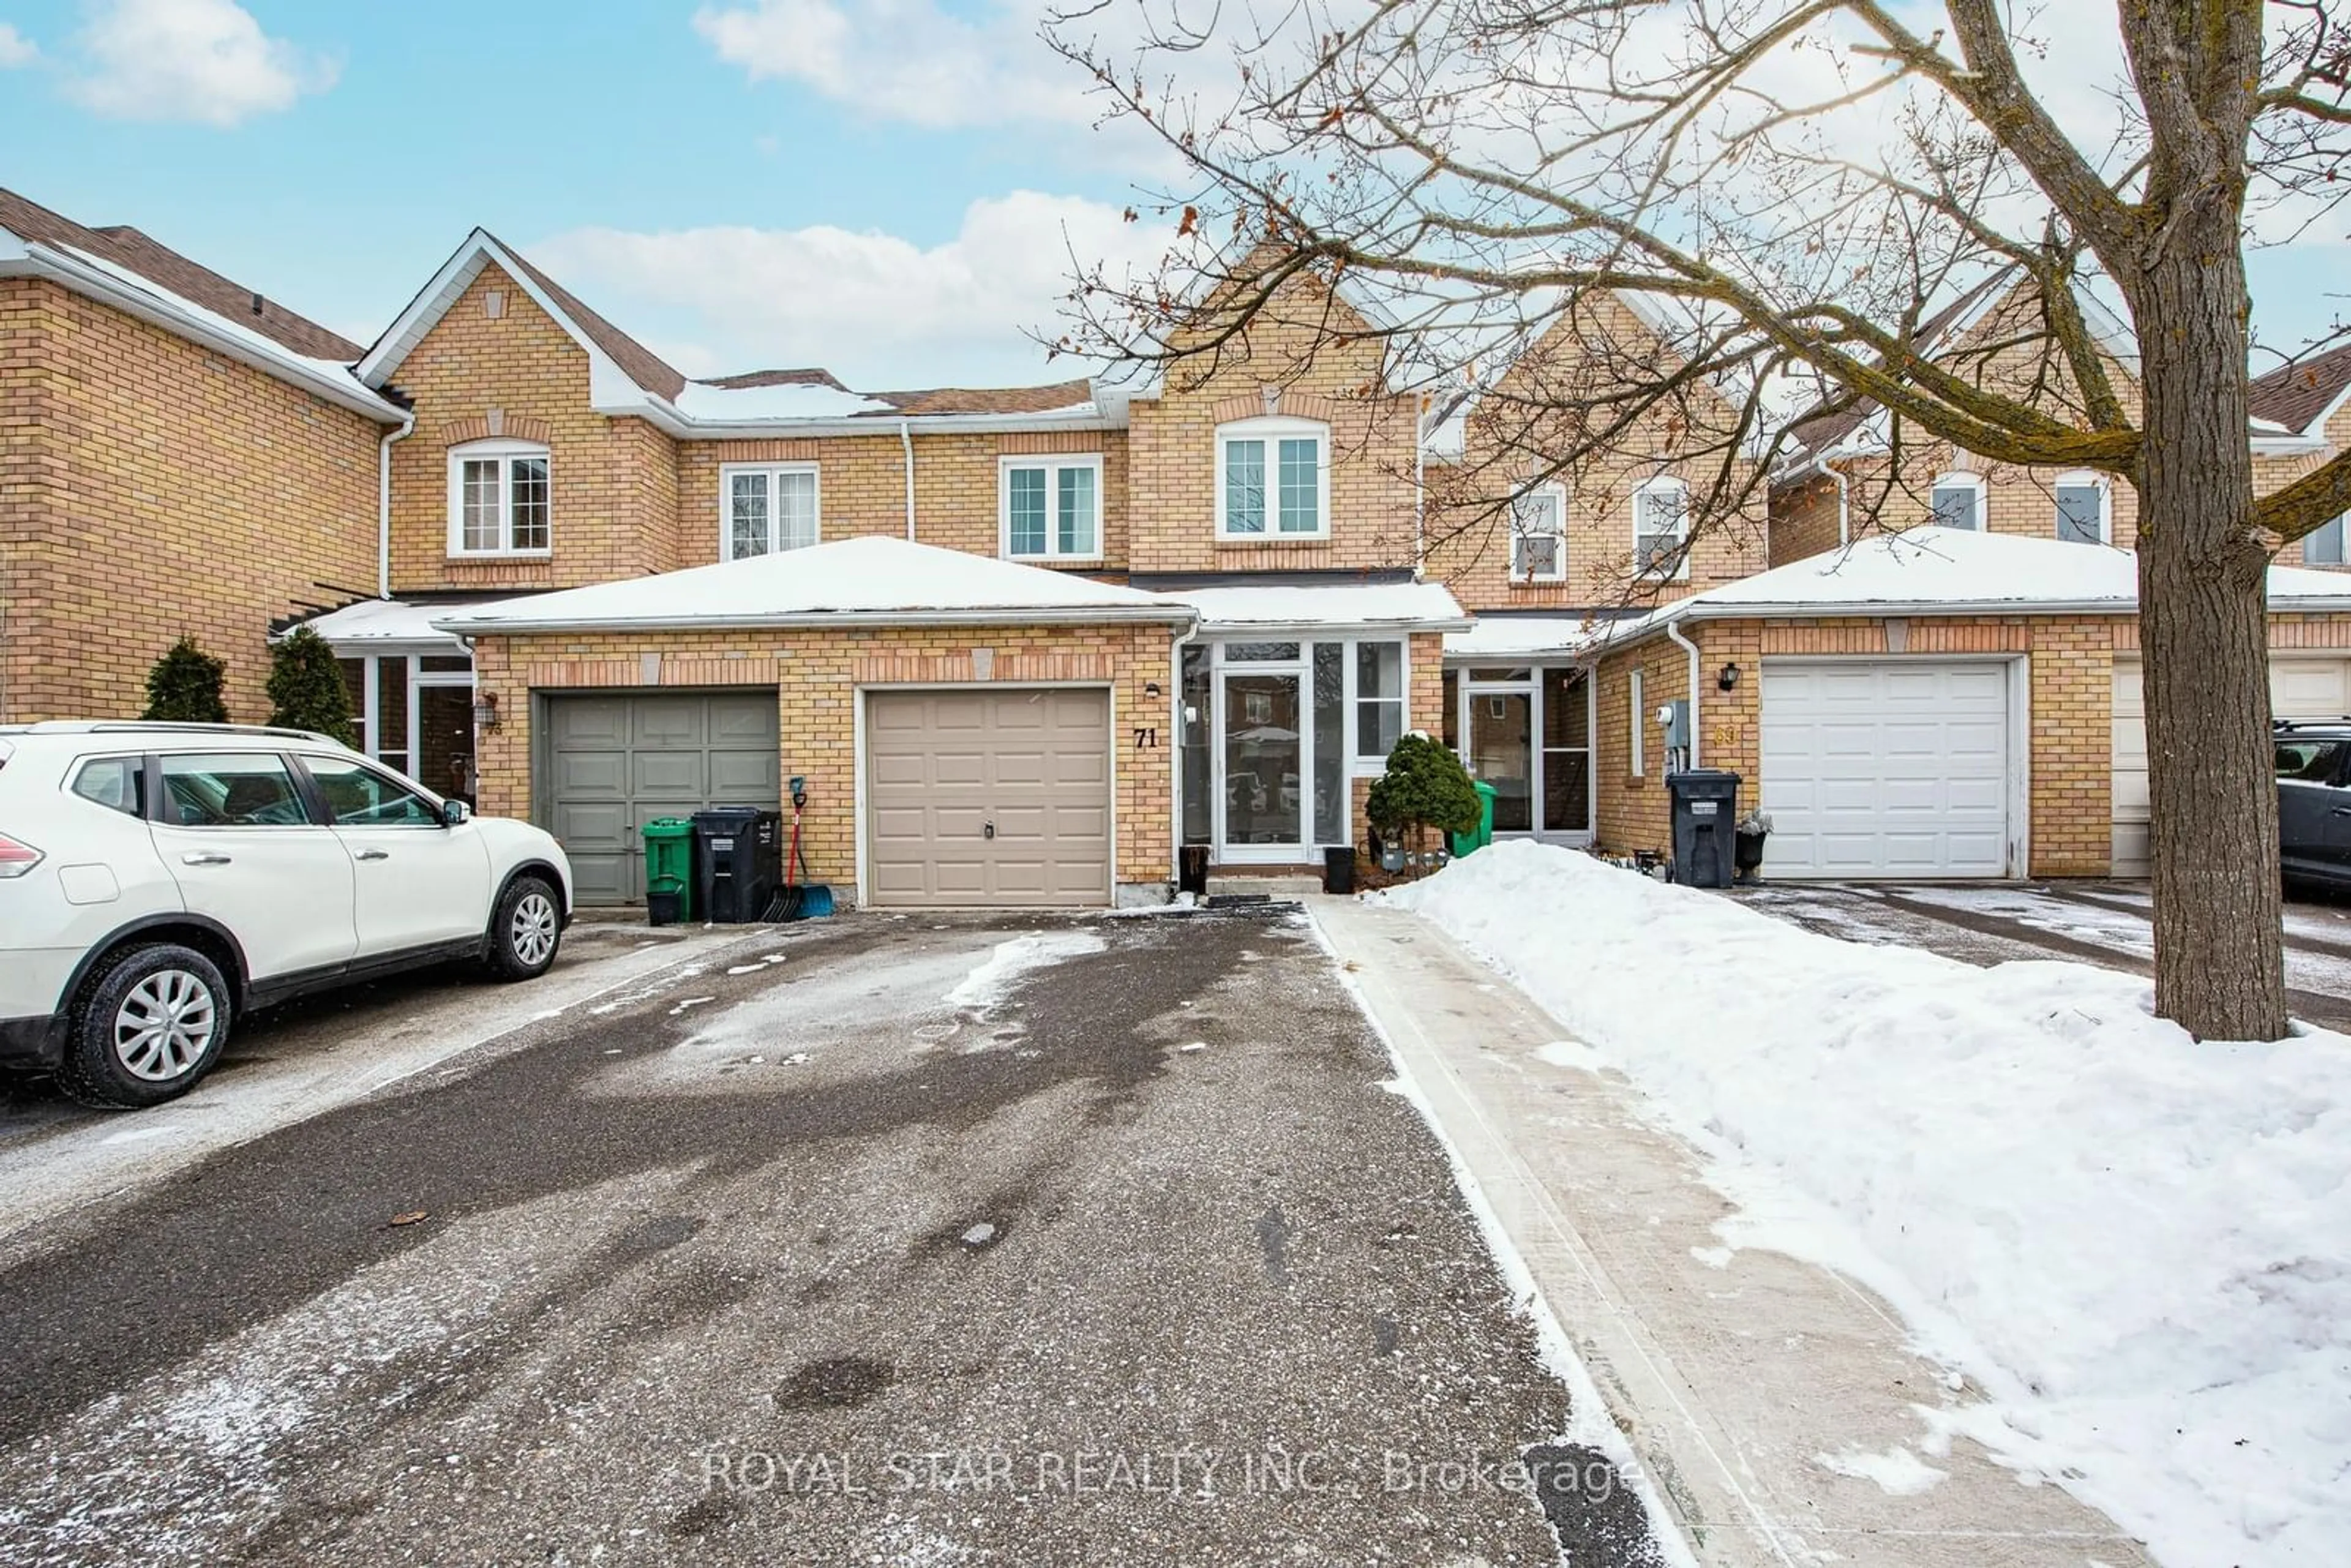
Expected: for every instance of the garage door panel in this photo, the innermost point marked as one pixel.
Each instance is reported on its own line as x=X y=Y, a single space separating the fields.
x=1885 y=767
x=1034 y=763
x=617 y=761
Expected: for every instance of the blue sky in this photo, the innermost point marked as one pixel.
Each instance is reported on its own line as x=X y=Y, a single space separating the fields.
x=883 y=186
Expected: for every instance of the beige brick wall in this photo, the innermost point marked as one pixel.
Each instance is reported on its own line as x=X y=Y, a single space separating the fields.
x=614 y=482
x=817 y=674
x=150 y=487
x=2072 y=719
x=1286 y=355
x=862 y=486
x=1551 y=414
x=1804 y=521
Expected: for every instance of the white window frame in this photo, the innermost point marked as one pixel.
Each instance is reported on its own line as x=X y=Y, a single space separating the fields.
x=1273 y=430
x=2342 y=556
x=729 y=472
x=1640 y=728
x=1960 y=479
x=2081 y=479
x=1350 y=686
x=1053 y=464
x=504 y=452
x=1556 y=495
x=1680 y=487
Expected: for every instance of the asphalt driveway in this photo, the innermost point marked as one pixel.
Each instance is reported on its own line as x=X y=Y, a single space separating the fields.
x=911 y=1240
x=2102 y=923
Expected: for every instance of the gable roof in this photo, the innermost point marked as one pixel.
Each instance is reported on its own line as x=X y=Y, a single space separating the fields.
x=624 y=377
x=2301 y=394
x=1956 y=571
x=1816 y=434
x=133 y=272
x=877 y=580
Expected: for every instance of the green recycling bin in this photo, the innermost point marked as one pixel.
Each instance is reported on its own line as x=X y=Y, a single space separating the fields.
x=1483 y=834
x=669 y=869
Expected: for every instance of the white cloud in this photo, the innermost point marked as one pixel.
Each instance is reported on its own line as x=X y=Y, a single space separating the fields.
x=202 y=60
x=879 y=310
x=910 y=61
x=16 y=49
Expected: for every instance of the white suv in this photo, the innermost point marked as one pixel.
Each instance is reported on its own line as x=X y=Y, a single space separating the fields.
x=157 y=880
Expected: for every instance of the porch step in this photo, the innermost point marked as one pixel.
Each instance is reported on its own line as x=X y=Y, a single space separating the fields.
x=1283 y=886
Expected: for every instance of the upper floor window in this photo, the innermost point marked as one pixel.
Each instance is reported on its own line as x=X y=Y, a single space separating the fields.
x=1539 y=535
x=1052 y=507
x=2081 y=509
x=1958 y=501
x=498 y=498
x=2323 y=546
x=1269 y=479
x=1661 y=527
x=768 y=509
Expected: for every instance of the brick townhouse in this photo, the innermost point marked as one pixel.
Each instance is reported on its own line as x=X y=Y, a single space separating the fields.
x=178 y=455
x=1025 y=645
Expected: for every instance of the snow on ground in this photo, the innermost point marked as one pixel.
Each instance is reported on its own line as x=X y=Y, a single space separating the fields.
x=2138 y=1246
x=991 y=981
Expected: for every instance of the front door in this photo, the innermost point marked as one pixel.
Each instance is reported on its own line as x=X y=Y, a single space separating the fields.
x=1264 y=757
x=1502 y=753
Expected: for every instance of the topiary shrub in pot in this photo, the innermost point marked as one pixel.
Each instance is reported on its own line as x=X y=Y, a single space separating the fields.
x=1425 y=787
x=307 y=689
x=185 y=686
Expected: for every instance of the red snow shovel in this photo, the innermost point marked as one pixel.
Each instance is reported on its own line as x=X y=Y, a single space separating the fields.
x=799 y=899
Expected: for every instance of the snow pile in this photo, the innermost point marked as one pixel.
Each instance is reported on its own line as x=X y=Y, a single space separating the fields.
x=2138 y=1245
x=993 y=979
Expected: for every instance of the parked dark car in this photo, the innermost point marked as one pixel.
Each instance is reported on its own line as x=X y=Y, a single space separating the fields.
x=2313 y=774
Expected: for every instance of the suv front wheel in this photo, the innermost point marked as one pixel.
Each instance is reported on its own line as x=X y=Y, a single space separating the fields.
x=526 y=930
x=151 y=1024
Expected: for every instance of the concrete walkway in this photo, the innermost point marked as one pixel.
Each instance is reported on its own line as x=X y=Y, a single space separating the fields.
x=1735 y=1374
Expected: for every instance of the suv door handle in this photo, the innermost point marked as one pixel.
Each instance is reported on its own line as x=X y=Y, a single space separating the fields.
x=203 y=857
x=2340 y=811
x=373 y=855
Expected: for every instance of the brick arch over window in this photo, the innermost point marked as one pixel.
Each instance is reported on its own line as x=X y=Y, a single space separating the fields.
x=1293 y=404
x=512 y=427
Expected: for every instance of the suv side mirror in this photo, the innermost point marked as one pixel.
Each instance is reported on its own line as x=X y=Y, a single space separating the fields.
x=456 y=813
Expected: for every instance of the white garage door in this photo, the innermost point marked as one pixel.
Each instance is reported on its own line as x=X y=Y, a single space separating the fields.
x=1885 y=767
x=2299 y=688
x=988 y=796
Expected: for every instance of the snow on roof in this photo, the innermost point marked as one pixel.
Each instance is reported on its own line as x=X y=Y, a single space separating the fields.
x=87 y=272
x=373 y=622
x=860 y=580
x=797 y=399
x=1958 y=572
x=1305 y=607
x=1515 y=637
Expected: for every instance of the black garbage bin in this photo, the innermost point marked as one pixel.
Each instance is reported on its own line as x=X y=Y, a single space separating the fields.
x=738 y=855
x=1705 y=802
x=1192 y=870
x=1339 y=868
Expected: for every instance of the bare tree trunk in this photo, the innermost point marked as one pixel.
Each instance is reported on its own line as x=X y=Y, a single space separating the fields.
x=2203 y=627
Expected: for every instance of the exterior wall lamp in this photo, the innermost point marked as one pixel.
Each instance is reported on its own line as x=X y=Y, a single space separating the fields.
x=485 y=710
x=1728 y=680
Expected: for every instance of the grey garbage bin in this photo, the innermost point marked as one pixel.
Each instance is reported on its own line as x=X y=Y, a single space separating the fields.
x=1705 y=803
x=739 y=859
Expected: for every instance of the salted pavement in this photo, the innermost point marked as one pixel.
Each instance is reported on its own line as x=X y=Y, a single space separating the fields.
x=915 y=1240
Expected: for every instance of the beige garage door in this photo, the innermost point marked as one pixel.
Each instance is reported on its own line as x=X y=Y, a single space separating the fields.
x=988 y=796
x=2299 y=688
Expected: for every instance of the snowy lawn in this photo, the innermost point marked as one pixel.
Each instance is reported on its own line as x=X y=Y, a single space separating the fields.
x=2138 y=1246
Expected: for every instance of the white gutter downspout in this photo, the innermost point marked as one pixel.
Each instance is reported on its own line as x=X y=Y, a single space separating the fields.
x=383 y=505
x=1673 y=629
x=906 y=442
x=1420 y=488
x=1845 y=514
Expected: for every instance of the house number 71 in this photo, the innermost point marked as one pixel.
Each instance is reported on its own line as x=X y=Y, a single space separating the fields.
x=1145 y=738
